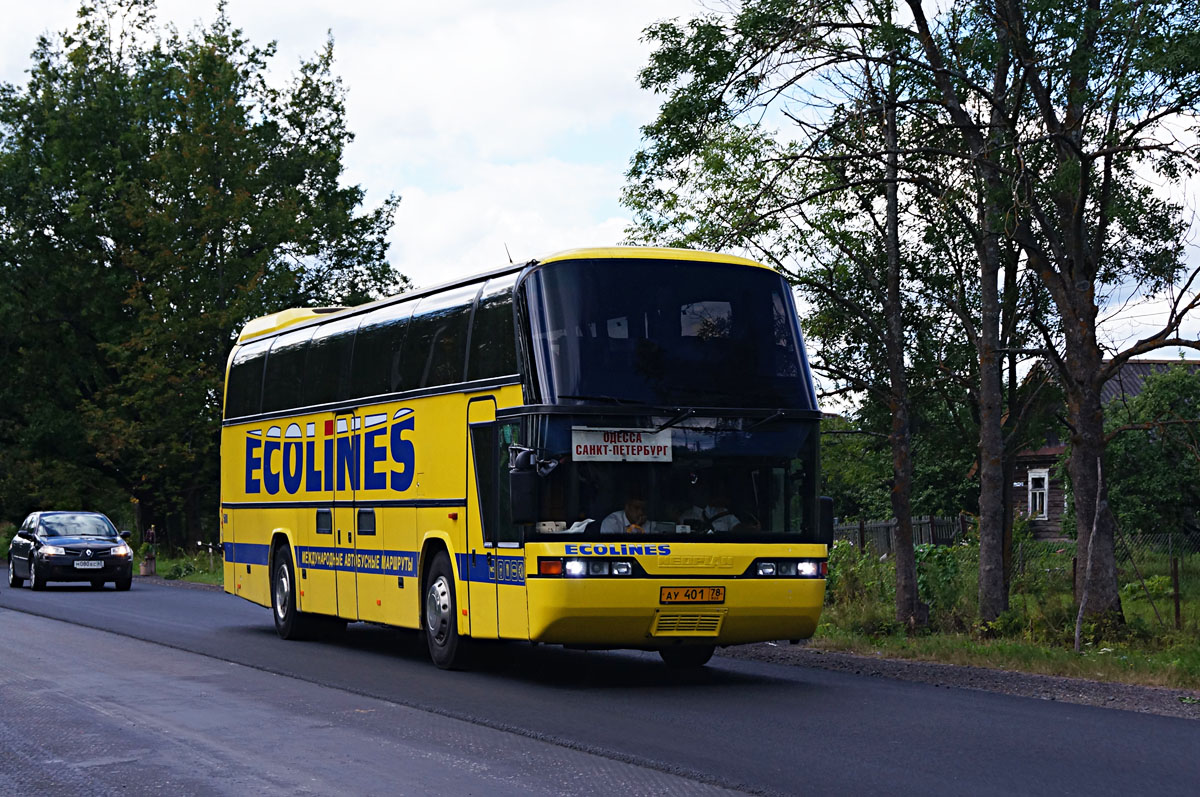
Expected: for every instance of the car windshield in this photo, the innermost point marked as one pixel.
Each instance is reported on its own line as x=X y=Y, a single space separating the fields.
x=68 y=525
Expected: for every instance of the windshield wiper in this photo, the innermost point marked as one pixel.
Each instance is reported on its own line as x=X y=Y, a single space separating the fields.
x=769 y=419
x=682 y=416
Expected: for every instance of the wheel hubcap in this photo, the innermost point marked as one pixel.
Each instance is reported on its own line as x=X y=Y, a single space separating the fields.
x=283 y=591
x=437 y=610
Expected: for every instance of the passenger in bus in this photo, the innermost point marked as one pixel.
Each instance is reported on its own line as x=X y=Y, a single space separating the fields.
x=630 y=520
x=715 y=515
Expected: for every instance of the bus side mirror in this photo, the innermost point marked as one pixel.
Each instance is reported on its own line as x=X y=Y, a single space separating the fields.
x=523 y=487
x=825 y=530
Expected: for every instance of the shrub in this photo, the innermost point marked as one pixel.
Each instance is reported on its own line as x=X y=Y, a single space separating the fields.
x=180 y=570
x=1159 y=587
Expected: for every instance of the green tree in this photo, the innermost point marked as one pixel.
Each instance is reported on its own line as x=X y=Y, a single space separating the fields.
x=1154 y=454
x=156 y=191
x=1085 y=101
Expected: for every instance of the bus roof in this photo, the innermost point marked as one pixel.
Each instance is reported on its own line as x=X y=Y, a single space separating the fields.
x=265 y=325
x=648 y=253
x=276 y=322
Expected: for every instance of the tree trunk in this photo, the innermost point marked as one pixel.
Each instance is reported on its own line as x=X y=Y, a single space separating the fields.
x=910 y=611
x=1086 y=417
x=993 y=597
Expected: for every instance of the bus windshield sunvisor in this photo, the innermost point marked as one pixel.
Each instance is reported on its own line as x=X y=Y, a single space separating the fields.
x=667 y=333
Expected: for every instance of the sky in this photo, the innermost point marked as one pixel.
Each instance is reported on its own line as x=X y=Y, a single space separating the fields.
x=504 y=127
x=498 y=124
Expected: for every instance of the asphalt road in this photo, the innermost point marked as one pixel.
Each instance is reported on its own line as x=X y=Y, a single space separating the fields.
x=193 y=689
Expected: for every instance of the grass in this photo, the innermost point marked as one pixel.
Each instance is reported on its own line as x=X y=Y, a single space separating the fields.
x=1036 y=635
x=193 y=567
x=1175 y=664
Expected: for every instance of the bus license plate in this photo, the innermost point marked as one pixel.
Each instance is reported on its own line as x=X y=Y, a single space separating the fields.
x=89 y=564
x=691 y=595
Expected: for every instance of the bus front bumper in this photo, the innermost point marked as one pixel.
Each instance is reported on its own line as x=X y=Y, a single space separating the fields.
x=614 y=612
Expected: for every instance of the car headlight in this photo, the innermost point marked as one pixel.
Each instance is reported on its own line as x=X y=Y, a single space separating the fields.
x=121 y=550
x=52 y=550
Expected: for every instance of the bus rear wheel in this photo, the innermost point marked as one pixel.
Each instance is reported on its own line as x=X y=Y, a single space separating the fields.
x=687 y=656
x=290 y=622
x=447 y=648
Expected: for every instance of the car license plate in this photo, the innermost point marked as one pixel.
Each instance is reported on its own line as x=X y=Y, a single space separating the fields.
x=88 y=564
x=691 y=595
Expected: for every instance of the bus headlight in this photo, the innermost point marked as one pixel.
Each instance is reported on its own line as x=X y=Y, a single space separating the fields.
x=573 y=568
x=807 y=568
x=621 y=568
x=787 y=568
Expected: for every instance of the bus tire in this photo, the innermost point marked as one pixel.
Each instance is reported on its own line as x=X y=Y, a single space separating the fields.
x=687 y=657
x=290 y=622
x=439 y=616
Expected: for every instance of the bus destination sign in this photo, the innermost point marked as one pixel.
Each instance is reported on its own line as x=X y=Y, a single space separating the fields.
x=620 y=445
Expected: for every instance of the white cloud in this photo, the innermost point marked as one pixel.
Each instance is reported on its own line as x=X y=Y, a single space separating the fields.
x=496 y=122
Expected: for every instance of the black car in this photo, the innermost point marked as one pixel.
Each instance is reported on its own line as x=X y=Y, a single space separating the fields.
x=69 y=546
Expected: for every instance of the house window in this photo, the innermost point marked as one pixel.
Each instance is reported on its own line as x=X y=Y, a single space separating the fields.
x=1039 y=481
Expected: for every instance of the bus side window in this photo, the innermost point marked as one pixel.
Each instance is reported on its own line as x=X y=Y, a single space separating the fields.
x=435 y=349
x=493 y=341
x=243 y=393
x=366 y=522
x=284 y=371
x=377 y=348
x=324 y=521
x=327 y=366
x=490 y=442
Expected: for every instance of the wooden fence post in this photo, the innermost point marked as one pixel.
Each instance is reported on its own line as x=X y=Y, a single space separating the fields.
x=1175 y=583
x=862 y=534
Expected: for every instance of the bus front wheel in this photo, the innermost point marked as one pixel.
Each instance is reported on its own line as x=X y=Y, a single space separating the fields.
x=687 y=656
x=447 y=648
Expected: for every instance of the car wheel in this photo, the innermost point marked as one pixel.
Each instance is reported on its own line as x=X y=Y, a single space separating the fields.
x=97 y=584
x=13 y=580
x=446 y=647
x=123 y=584
x=35 y=583
x=290 y=622
x=687 y=656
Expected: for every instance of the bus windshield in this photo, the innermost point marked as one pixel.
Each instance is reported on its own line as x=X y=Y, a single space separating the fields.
x=666 y=333
x=726 y=486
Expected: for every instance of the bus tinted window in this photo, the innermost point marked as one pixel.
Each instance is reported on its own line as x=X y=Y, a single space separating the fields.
x=435 y=351
x=493 y=343
x=377 y=351
x=327 y=366
x=244 y=390
x=671 y=333
x=285 y=371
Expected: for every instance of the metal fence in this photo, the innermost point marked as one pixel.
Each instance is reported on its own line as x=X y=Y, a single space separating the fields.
x=880 y=535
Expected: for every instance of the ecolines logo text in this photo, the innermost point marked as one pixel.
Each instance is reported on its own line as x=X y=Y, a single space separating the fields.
x=359 y=453
x=618 y=550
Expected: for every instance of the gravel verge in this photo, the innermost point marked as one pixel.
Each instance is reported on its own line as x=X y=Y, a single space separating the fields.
x=1105 y=694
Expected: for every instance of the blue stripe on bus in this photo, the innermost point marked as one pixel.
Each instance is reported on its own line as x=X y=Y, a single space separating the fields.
x=387 y=563
x=247 y=553
x=503 y=570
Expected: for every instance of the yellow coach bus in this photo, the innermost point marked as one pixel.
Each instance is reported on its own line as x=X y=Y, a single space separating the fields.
x=607 y=448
